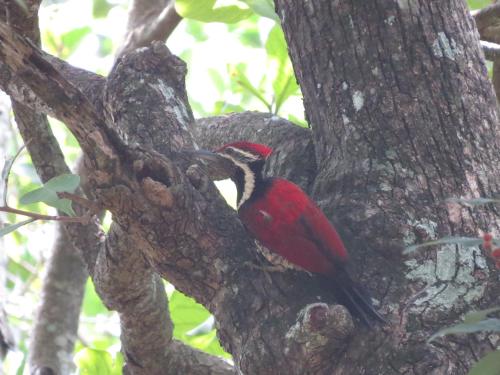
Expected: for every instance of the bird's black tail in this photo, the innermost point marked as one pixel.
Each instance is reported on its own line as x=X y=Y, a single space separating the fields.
x=356 y=299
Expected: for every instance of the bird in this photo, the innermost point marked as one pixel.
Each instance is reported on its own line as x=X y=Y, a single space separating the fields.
x=287 y=222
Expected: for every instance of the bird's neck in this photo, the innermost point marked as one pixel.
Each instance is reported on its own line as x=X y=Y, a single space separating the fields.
x=248 y=179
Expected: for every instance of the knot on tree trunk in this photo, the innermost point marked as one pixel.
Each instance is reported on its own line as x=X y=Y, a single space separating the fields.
x=320 y=331
x=319 y=325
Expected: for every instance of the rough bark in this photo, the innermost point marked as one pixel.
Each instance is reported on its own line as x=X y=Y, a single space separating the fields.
x=189 y=235
x=487 y=22
x=381 y=172
x=56 y=325
x=403 y=116
x=147 y=344
x=293 y=150
x=149 y=21
x=490 y=18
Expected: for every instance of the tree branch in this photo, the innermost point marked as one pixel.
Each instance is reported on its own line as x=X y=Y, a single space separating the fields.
x=488 y=22
x=149 y=21
x=56 y=324
x=146 y=326
x=67 y=102
x=34 y=215
x=130 y=287
x=491 y=50
x=293 y=157
x=194 y=239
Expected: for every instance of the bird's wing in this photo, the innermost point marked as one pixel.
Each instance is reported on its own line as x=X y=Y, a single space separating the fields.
x=288 y=223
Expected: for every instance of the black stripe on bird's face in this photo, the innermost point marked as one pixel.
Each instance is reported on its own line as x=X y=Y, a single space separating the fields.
x=248 y=172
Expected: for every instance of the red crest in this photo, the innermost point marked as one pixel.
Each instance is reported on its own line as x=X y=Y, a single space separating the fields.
x=255 y=148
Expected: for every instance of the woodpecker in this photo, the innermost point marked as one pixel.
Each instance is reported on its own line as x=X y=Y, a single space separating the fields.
x=281 y=216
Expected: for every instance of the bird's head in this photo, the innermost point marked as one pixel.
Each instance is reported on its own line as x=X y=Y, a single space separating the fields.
x=244 y=161
x=245 y=152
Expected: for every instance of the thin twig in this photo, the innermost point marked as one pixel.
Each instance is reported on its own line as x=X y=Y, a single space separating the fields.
x=66 y=219
x=6 y=171
x=491 y=50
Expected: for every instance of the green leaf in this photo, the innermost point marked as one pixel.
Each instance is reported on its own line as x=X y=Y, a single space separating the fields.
x=48 y=193
x=284 y=83
x=63 y=183
x=221 y=107
x=39 y=195
x=284 y=87
x=202 y=328
x=264 y=8
x=92 y=362
x=186 y=313
x=92 y=304
x=196 y=30
x=12 y=227
x=251 y=37
x=473 y=201
x=465 y=241
x=298 y=121
x=191 y=323
x=245 y=83
x=118 y=364
x=276 y=44
x=217 y=80
x=478 y=4
x=101 y=8
x=490 y=325
x=476 y=316
x=105 y=46
x=63 y=205
x=50 y=198
x=488 y=365
x=71 y=40
x=205 y=11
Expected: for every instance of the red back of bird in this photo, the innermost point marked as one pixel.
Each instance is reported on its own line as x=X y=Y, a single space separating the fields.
x=286 y=221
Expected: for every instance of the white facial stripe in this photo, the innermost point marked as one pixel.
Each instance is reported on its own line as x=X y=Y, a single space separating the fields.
x=249 y=177
x=246 y=154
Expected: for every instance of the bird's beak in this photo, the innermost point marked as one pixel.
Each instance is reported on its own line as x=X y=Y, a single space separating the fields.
x=219 y=168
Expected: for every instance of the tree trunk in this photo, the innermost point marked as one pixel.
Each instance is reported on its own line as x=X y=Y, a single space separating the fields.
x=403 y=117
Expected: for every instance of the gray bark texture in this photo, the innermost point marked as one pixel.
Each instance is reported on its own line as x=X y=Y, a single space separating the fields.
x=402 y=117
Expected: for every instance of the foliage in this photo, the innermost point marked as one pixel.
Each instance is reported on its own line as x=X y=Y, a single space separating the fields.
x=93 y=361
x=193 y=324
x=48 y=193
x=208 y=11
x=488 y=365
x=269 y=90
x=475 y=321
x=6 y=229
